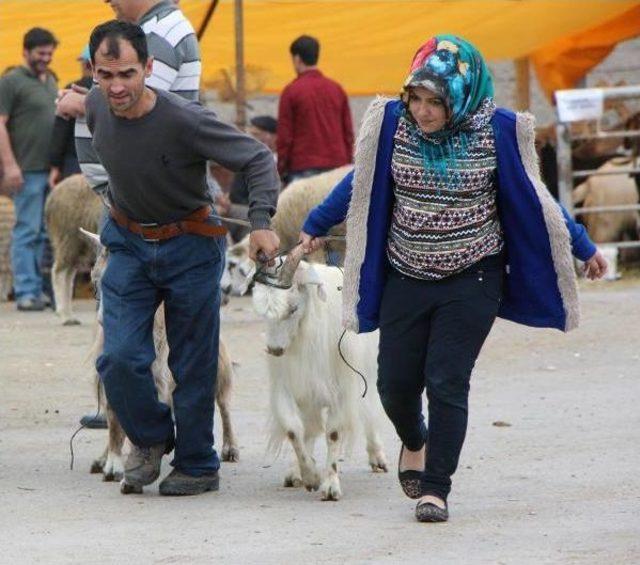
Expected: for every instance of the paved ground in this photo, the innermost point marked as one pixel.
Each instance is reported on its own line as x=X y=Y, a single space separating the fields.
x=558 y=485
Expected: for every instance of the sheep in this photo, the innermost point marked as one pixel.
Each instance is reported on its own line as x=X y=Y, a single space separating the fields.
x=7 y=219
x=609 y=190
x=312 y=390
x=110 y=462
x=71 y=205
x=294 y=204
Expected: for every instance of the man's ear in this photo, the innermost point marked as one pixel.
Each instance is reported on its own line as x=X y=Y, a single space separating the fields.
x=148 y=67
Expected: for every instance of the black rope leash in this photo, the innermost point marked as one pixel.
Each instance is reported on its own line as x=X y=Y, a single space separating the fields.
x=364 y=380
x=99 y=391
x=344 y=332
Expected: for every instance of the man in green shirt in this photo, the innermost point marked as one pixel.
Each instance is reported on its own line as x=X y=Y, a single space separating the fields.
x=27 y=110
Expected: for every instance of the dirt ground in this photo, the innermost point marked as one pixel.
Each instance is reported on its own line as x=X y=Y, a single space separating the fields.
x=558 y=484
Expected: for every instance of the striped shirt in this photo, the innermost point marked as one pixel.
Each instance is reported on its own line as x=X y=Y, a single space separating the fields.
x=177 y=68
x=442 y=225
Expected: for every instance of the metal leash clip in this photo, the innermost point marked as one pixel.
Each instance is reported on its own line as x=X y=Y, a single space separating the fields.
x=270 y=276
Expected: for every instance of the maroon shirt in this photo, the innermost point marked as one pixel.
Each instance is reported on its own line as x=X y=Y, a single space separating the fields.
x=314 y=125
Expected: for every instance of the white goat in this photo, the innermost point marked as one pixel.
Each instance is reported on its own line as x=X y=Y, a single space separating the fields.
x=237 y=269
x=110 y=462
x=312 y=390
x=70 y=206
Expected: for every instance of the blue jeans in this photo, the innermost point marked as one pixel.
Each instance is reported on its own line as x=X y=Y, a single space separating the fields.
x=27 y=242
x=183 y=272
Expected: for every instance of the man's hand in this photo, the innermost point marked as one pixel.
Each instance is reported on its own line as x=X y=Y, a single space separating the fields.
x=596 y=267
x=55 y=176
x=223 y=204
x=70 y=104
x=310 y=243
x=263 y=243
x=12 y=180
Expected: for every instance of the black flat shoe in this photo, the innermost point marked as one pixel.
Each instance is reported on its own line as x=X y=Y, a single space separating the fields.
x=410 y=480
x=429 y=512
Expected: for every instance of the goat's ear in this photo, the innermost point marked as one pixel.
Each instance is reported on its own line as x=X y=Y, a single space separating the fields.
x=93 y=237
x=309 y=277
x=244 y=287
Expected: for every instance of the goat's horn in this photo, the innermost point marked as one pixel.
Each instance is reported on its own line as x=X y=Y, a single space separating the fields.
x=290 y=265
x=90 y=235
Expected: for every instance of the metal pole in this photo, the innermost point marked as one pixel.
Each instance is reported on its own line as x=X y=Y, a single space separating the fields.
x=205 y=21
x=565 y=177
x=241 y=95
x=523 y=90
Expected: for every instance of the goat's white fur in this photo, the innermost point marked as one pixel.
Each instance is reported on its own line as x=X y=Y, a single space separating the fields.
x=312 y=391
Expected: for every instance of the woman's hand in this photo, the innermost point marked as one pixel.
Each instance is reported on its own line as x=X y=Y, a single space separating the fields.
x=310 y=243
x=596 y=267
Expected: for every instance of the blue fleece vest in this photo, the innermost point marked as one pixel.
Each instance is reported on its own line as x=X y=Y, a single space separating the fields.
x=531 y=292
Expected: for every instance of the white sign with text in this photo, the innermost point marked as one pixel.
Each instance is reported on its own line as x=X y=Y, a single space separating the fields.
x=580 y=104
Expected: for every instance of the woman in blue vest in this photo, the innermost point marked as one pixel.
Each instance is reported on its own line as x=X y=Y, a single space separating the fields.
x=448 y=226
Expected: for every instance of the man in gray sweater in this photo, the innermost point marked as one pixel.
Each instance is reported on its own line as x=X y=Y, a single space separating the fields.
x=165 y=247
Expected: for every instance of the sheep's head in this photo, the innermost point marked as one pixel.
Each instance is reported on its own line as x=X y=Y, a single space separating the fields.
x=97 y=271
x=284 y=307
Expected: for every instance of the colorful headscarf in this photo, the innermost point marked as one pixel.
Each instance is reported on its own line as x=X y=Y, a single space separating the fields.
x=455 y=70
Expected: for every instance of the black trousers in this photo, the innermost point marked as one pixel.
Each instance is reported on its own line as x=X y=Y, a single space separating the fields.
x=431 y=333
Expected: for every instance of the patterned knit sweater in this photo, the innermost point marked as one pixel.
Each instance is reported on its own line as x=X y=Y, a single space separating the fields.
x=444 y=221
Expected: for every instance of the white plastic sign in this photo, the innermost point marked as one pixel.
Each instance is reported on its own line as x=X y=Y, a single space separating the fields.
x=580 y=104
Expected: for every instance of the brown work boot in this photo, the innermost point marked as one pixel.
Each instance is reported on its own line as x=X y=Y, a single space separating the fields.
x=177 y=483
x=142 y=466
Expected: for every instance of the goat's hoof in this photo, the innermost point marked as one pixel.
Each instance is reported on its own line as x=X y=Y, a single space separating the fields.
x=311 y=482
x=129 y=489
x=97 y=466
x=112 y=476
x=230 y=453
x=379 y=468
x=378 y=463
x=331 y=489
x=292 y=481
x=71 y=322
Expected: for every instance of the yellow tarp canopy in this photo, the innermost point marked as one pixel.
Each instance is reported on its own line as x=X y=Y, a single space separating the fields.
x=562 y=63
x=366 y=45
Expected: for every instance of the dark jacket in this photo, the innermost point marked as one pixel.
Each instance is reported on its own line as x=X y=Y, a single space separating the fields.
x=314 y=125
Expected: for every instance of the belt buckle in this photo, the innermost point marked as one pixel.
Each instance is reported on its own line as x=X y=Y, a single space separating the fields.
x=149 y=225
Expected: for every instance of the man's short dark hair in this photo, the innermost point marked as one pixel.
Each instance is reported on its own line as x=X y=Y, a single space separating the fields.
x=114 y=30
x=38 y=37
x=265 y=123
x=307 y=48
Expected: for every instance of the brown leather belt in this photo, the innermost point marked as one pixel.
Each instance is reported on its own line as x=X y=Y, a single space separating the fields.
x=194 y=223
